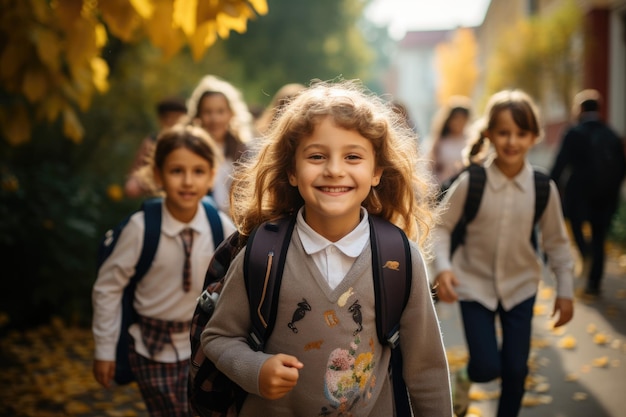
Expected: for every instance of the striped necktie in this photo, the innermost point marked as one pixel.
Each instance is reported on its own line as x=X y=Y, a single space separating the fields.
x=187 y=236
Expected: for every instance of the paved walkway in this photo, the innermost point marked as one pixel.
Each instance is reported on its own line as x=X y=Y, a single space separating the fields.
x=577 y=371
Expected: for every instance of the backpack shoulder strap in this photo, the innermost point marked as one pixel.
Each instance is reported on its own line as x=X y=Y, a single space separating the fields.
x=542 y=193
x=214 y=220
x=476 y=187
x=264 y=262
x=152 y=209
x=477 y=180
x=392 y=270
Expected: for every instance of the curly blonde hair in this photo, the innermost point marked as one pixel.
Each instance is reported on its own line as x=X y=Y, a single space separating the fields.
x=405 y=194
x=241 y=124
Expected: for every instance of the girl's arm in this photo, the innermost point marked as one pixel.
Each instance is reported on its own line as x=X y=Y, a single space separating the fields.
x=425 y=363
x=224 y=339
x=113 y=276
x=556 y=244
x=452 y=208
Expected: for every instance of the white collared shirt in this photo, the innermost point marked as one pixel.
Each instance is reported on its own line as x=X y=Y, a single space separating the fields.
x=334 y=259
x=497 y=263
x=160 y=293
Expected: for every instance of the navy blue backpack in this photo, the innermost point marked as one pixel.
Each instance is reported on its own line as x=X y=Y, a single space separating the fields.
x=152 y=232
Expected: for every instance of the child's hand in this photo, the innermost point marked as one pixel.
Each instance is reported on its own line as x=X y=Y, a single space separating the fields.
x=279 y=374
x=565 y=308
x=446 y=281
x=104 y=371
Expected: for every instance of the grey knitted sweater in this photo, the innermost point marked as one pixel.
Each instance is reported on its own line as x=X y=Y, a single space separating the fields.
x=333 y=333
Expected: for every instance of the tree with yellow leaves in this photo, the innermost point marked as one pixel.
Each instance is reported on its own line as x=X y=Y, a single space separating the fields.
x=51 y=53
x=541 y=55
x=456 y=65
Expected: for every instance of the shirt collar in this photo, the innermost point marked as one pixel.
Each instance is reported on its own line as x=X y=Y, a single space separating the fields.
x=172 y=227
x=351 y=244
x=496 y=179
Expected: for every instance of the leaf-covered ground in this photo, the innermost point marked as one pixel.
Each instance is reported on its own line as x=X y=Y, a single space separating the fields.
x=46 y=372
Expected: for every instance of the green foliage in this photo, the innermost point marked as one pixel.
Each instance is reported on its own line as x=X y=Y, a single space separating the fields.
x=298 y=41
x=50 y=217
x=617 y=234
x=54 y=201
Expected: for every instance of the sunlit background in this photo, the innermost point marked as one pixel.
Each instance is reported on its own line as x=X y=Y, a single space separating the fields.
x=79 y=81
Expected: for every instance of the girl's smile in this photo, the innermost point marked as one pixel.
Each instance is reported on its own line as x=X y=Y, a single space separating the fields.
x=511 y=143
x=335 y=170
x=186 y=178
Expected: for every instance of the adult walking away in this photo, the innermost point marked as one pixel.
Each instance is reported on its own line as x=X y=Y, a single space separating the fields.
x=594 y=155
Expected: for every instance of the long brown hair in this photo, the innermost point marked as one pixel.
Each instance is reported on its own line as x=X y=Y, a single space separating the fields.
x=404 y=196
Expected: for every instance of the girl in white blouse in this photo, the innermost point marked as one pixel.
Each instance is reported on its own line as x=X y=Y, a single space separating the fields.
x=496 y=272
x=183 y=168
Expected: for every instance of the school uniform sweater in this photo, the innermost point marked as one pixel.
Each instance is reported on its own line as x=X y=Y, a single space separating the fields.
x=160 y=293
x=333 y=333
x=497 y=263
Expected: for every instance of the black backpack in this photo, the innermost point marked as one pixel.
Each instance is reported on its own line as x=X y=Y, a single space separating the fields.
x=152 y=233
x=477 y=180
x=211 y=393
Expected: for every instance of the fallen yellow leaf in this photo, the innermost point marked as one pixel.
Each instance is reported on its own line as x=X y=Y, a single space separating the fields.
x=601 y=362
x=580 y=396
x=600 y=339
x=557 y=331
x=531 y=400
x=539 y=310
x=473 y=411
x=568 y=342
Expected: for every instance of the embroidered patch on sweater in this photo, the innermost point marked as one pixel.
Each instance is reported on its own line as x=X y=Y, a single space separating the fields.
x=298 y=315
x=355 y=309
x=331 y=319
x=348 y=378
x=314 y=345
x=343 y=298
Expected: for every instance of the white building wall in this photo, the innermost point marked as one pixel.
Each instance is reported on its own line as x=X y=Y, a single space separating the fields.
x=417 y=86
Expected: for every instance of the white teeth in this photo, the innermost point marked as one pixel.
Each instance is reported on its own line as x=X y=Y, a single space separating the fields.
x=334 y=189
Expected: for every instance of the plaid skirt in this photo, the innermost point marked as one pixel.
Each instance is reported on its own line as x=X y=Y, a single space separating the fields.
x=163 y=386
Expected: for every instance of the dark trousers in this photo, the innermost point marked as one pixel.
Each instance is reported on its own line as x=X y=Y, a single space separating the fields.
x=599 y=218
x=508 y=360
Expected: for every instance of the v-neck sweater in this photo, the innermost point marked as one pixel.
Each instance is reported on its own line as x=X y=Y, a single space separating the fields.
x=333 y=333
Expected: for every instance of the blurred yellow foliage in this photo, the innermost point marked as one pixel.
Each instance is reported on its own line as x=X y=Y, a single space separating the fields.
x=115 y=192
x=51 y=52
x=457 y=66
